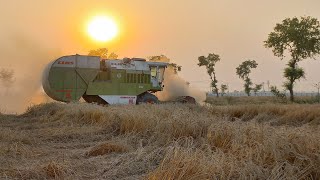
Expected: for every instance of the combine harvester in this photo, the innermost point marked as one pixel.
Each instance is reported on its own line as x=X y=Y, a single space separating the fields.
x=125 y=81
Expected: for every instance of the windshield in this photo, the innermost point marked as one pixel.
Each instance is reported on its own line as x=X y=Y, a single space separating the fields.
x=161 y=73
x=153 y=71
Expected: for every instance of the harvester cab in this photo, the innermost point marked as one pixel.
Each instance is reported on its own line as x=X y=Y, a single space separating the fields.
x=157 y=73
x=122 y=81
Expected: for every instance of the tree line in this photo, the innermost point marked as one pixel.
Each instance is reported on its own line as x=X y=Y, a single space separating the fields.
x=297 y=37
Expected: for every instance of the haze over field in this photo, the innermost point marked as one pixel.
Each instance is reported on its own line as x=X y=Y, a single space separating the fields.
x=163 y=136
x=35 y=32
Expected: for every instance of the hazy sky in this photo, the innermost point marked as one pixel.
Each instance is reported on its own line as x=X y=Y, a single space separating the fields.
x=180 y=29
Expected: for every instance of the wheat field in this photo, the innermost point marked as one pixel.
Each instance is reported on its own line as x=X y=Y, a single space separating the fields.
x=163 y=141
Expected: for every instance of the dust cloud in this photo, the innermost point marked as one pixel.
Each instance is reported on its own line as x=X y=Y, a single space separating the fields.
x=175 y=86
x=27 y=60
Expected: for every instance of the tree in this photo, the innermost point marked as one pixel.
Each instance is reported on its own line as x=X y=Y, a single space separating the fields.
x=103 y=53
x=243 y=71
x=162 y=58
x=257 y=88
x=298 y=37
x=317 y=85
x=210 y=62
x=274 y=90
x=223 y=89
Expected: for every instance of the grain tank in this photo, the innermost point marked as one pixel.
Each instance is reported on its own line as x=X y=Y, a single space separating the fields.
x=121 y=81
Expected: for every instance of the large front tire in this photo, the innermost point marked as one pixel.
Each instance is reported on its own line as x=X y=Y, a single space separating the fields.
x=147 y=98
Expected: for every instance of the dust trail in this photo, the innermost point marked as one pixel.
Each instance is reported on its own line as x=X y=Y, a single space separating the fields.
x=175 y=86
x=27 y=59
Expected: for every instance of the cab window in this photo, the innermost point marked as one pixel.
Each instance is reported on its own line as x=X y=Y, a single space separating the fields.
x=153 y=71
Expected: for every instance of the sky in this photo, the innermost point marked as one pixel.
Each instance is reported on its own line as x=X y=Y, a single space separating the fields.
x=35 y=32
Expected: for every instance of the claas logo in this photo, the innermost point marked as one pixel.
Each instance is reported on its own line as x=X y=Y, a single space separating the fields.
x=65 y=62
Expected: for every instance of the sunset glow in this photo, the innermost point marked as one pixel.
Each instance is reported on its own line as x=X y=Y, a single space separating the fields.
x=102 y=29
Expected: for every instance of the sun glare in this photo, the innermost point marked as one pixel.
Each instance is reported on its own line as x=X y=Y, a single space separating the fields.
x=102 y=29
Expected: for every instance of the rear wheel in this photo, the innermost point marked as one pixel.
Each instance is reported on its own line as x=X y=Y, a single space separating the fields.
x=147 y=98
x=186 y=99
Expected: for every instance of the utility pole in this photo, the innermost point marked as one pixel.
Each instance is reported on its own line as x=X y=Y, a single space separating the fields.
x=317 y=85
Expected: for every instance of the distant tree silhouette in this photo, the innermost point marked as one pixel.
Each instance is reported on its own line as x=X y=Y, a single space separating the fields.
x=243 y=71
x=223 y=89
x=257 y=88
x=162 y=58
x=210 y=62
x=159 y=58
x=276 y=92
x=103 y=53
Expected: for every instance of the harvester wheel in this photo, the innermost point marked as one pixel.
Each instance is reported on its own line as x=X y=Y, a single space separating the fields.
x=186 y=99
x=147 y=98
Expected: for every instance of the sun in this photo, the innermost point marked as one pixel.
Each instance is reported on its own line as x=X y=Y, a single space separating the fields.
x=102 y=28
